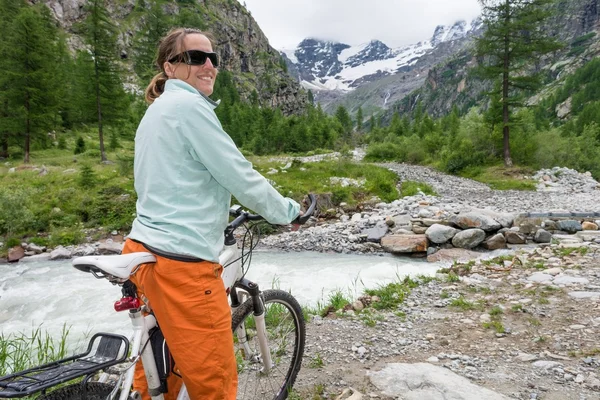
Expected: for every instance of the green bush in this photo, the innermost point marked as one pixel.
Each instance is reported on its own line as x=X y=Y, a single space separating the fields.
x=65 y=236
x=340 y=194
x=79 y=145
x=87 y=177
x=384 y=152
x=411 y=188
x=62 y=142
x=15 y=211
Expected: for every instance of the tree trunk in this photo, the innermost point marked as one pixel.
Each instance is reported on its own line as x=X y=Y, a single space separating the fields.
x=99 y=107
x=505 y=78
x=4 y=135
x=27 y=129
x=4 y=145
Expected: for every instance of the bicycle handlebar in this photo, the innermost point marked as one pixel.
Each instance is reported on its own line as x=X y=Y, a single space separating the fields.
x=242 y=216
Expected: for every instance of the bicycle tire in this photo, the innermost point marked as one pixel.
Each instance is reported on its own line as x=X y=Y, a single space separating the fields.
x=94 y=391
x=284 y=320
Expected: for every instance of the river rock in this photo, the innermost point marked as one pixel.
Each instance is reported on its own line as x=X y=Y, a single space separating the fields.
x=37 y=257
x=589 y=226
x=588 y=236
x=452 y=255
x=498 y=241
x=439 y=234
x=426 y=381
x=570 y=280
x=375 y=234
x=570 y=226
x=16 y=253
x=585 y=295
x=542 y=236
x=60 y=253
x=109 y=247
x=404 y=243
x=468 y=238
x=475 y=220
x=513 y=237
x=505 y=220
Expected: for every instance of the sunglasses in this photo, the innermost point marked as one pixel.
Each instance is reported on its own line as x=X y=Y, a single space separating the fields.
x=196 y=57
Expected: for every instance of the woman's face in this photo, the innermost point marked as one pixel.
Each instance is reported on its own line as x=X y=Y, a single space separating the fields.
x=202 y=77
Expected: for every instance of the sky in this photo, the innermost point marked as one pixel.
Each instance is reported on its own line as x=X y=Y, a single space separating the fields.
x=395 y=22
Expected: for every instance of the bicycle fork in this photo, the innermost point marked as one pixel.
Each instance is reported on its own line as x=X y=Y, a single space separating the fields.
x=259 y=318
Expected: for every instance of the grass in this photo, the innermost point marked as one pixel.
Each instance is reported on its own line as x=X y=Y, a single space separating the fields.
x=495 y=325
x=316 y=361
x=21 y=351
x=337 y=300
x=369 y=317
x=499 y=177
x=302 y=178
x=496 y=310
x=78 y=192
x=464 y=304
x=391 y=295
x=411 y=188
x=567 y=251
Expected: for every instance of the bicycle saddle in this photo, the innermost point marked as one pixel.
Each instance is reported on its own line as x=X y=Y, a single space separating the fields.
x=120 y=266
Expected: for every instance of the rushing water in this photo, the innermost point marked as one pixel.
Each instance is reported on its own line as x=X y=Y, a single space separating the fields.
x=52 y=294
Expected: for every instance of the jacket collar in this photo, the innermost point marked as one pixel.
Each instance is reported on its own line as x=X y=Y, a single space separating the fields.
x=175 y=84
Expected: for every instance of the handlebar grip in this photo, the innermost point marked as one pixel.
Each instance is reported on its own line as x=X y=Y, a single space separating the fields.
x=310 y=211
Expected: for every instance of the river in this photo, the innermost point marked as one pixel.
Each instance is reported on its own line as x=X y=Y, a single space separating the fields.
x=52 y=294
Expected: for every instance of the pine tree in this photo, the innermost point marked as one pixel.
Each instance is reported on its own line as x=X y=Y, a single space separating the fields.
x=513 y=37
x=342 y=115
x=30 y=67
x=8 y=11
x=359 y=119
x=100 y=34
x=155 y=25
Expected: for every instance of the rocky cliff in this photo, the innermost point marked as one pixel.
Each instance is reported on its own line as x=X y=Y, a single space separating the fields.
x=450 y=84
x=243 y=47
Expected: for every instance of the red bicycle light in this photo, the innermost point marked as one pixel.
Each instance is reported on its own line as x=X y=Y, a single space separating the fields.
x=127 y=303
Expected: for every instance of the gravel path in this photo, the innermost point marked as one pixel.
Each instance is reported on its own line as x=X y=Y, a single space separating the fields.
x=467 y=192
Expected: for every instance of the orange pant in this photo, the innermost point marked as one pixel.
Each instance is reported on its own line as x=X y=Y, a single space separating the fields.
x=190 y=305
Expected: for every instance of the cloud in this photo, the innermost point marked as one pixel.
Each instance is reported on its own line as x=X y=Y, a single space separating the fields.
x=394 y=22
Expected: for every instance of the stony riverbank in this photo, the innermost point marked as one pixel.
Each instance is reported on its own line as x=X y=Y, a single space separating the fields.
x=524 y=326
x=521 y=327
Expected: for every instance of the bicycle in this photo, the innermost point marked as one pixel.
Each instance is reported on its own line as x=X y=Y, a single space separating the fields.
x=269 y=334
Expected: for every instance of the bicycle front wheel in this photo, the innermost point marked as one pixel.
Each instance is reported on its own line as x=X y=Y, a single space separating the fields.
x=286 y=334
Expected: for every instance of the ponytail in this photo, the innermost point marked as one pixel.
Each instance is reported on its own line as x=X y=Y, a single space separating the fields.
x=156 y=87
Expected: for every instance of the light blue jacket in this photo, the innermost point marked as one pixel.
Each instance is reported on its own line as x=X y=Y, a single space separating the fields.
x=186 y=168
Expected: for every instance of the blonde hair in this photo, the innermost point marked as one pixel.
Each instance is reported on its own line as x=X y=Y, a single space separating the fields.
x=169 y=47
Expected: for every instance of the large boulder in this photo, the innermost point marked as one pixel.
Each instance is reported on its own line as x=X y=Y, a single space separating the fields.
x=405 y=243
x=542 y=236
x=468 y=238
x=60 y=253
x=477 y=220
x=110 y=247
x=452 y=255
x=424 y=381
x=495 y=242
x=570 y=226
x=440 y=233
x=15 y=253
x=514 y=237
x=506 y=220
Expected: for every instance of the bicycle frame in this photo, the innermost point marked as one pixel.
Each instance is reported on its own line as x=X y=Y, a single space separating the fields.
x=142 y=324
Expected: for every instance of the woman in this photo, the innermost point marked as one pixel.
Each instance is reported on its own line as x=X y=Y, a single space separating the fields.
x=186 y=169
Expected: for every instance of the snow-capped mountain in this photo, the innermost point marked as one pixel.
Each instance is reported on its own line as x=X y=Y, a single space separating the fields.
x=323 y=65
